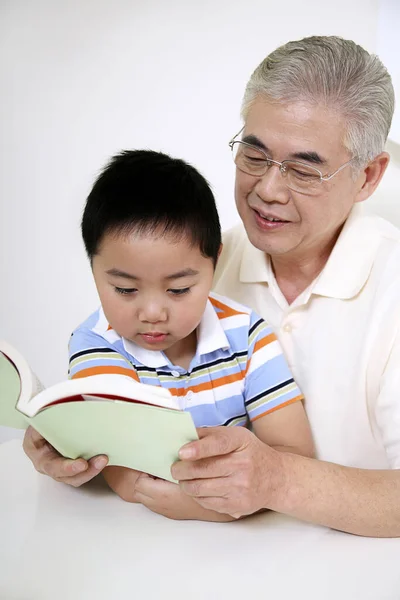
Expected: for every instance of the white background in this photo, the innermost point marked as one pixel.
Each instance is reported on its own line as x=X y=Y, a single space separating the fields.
x=83 y=79
x=388 y=48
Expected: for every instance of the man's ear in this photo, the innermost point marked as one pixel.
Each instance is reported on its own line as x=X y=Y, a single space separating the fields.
x=371 y=176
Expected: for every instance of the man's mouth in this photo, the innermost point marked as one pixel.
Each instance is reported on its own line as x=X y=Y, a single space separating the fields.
x=269 y=221
x=273 y=220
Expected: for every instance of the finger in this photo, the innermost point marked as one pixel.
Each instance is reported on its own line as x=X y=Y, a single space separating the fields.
x=48 y=461
x=206 y=488
x=220 y=505
x=155 y=506
x=206 y=468
x=141 y=498
x=32 y=441
x=94 y=467
x=155 y=487
x=74 y=472
x=214 y=441
x=39 y=450
x=34 y=437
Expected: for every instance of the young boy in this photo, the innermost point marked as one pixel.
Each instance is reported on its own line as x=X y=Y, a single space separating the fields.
x=152 y=234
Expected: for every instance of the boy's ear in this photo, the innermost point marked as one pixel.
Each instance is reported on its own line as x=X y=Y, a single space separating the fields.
x=218 y=255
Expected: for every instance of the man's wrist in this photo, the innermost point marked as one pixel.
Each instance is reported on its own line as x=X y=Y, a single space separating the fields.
x=280 y=495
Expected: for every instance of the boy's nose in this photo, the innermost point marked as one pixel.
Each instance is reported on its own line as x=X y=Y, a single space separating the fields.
x=152 y=313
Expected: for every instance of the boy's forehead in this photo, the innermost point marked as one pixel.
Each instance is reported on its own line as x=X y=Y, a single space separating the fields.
x=141 y=241
x=150 y=256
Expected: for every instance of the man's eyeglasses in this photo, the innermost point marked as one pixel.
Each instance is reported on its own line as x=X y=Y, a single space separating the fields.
x=298 y=176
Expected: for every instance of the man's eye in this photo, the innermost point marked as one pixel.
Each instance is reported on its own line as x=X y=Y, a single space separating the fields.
x=303 y=174
x=179 y=292
x=125 y=291
x=255 y=159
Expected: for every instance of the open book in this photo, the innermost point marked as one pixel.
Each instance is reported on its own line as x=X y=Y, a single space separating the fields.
x=137 y=426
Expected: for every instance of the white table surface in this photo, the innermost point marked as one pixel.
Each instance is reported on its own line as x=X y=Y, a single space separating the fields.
x=62 y=543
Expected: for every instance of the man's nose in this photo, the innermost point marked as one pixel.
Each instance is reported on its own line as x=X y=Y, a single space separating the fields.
x=271 y=187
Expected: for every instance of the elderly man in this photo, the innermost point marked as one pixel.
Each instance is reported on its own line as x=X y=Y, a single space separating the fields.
x=316 y=117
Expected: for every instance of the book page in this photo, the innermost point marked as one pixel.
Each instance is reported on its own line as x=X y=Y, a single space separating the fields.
x=10 y=389
x=111 y=387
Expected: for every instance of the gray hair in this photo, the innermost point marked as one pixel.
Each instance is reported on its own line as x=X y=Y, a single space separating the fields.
x=337 y=73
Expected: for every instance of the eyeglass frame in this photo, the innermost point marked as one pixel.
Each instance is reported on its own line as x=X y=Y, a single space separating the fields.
x=281 y=165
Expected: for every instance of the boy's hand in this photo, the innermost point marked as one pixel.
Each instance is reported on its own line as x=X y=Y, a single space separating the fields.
x=48 y=461
x=167 y=499
x=122 y=481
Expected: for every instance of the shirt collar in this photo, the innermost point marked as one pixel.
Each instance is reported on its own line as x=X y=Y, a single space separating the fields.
x=351 y=259
x=255 y=265
x=210 y=335
x=348 y=266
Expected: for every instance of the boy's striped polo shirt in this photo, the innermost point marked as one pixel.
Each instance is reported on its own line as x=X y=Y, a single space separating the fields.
x=237 y=375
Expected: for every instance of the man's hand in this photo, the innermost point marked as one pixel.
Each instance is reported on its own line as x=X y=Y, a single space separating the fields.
x=167 y=499
x=229 y=470
x=48 y=461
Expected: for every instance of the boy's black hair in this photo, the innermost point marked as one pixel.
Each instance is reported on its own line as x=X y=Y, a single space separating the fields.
x=145 y=191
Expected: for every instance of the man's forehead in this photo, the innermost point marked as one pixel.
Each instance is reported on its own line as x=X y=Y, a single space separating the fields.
x=310 y=156
x=297 y=128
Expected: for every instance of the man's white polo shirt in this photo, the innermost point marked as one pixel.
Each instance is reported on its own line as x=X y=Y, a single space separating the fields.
x=341 y=336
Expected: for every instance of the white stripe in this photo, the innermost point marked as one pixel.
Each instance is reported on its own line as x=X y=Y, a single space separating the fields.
x=231 y=303
x=263 y=355
x=235 y=321
x=217 y=394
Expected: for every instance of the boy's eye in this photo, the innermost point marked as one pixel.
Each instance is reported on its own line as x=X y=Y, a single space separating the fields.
x=179 y=292
x=125 y=291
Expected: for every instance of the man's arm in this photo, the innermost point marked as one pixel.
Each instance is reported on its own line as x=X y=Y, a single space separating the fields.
x=360 y=501
x=229 y=470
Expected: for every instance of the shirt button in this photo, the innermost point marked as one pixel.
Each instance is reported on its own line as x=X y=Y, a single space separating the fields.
x=175 y=373
x=287 y=328
x=189 y=395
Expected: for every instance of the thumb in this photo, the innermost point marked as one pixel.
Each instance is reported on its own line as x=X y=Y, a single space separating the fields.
x=214 y=441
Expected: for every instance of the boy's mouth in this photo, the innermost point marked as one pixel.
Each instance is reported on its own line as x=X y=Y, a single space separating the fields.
x=152 y=337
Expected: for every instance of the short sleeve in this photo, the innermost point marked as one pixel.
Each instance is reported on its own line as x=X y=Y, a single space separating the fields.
x=387 y=409
x=269 y=384
x=89 y=354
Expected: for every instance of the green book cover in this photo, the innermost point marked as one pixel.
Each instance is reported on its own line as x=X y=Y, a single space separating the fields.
x=138 y=436
x=132 y=434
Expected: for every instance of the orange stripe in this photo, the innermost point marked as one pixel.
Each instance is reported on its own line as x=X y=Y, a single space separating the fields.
x=271 y=410
x=106 y=371
x=268 y=339
x=264 y=342
x=225 y=310
x=208 y=385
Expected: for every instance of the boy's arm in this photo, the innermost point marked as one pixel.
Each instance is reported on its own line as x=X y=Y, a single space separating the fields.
x=273 y=401
x=162 y=497
x=286 y=430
